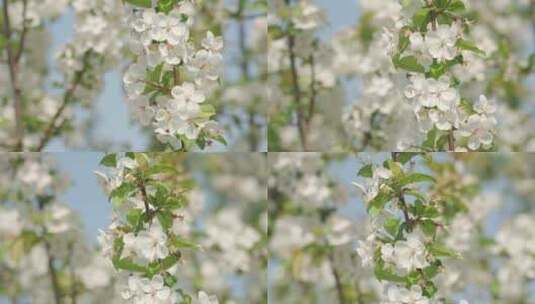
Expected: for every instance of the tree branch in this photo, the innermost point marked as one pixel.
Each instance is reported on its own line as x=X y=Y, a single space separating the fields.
x=13 y=70
x=451 y=141
x=74 y=290
x=144 y=195
x=401 y=198
x=296 y=91
x=337 y=280
x=176 y=76
x=24 y=31
x=50 y=262
x=51 y=128
x=244 y=67
x=313 y=92
x=53 y=274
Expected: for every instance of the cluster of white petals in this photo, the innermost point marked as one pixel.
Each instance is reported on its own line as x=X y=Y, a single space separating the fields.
x=186 y=71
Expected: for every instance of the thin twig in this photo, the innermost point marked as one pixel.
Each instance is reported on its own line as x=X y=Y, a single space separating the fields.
x=176 y=76
x=24 y=31
x=313 y=92
x=74 y=290
x=53 y=274
x=17 y=93
x=144 y=195
x=451 y=141
x=337 y=280
x=401 y=198
x=296 y=90
x=67 y=97
x=244 y=66
x=50 y=262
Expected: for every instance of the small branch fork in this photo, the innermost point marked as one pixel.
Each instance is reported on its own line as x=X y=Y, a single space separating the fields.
x=304 y=116
x=13 y=63
x=53 y=126
x=401 y=197
x=50 y=262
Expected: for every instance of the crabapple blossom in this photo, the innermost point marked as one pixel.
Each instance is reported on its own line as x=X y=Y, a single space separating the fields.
x=441 y=42
x=403 y=244
x=10 y=223
x=143 y=290
x=204 y=298
x=401 y=295
x=141 y=241
x=172 y=74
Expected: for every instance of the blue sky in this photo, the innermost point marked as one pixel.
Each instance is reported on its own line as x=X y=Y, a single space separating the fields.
x=85 y=196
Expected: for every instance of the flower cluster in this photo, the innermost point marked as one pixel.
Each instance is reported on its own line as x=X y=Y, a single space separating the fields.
x=174 y=73
x=39 y=237
x=406 y=244
x=428 y=49
x=141 y=240
x=449 y=62
x=515 y=242
x=221 y=233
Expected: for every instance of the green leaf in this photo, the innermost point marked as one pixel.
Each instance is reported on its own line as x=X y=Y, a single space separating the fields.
x=141 y=3
x=110 y=160
x=166 y=219
x=187 y=184
x=429 y=228
x=421 y=18
x=413 y=278
x=366 y=171
x=395 y=168
x=118 y=194
x=142 y=159
x=405 y=157
x=415 y=178
x=168 y=262
x=430 y=141
x=128 y=264
x=408 y=63
x=437 y=69
x=134 y=216
x=442 y=141
x=118 y=245
x=456 y=6
x=440 y=250
x=415 y=194
x=469 y=46
x=169 y=280
x=219 y=138
x=160 y=197
x=156 y=74
x=432 y=270
x=392 y=226
x=160 y=169
x=174 y=203
x=207 y=111
x=165 y=6
x=3 y=41
x=467 y=106
x=430 y=289
x=404 y=40
x=383 y=274
x=183 y=243
x=379 y=201
x=441 y=3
